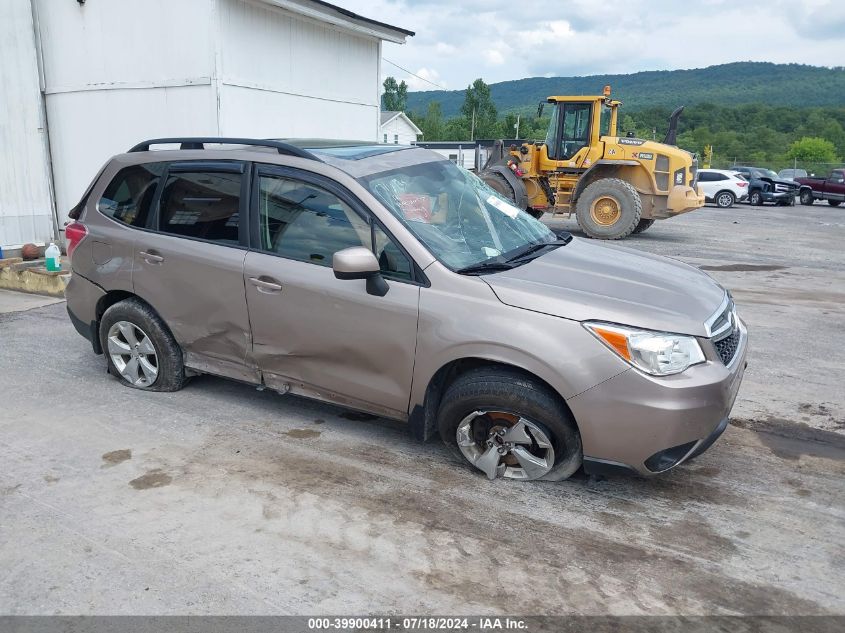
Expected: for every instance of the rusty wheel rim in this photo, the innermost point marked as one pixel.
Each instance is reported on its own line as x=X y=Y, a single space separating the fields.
x=605 y=211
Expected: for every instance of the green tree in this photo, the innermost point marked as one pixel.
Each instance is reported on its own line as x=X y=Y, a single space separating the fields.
x=395 y=96
x=812 y=149
x=479 y=107
x=432 y=124
x=456 y=129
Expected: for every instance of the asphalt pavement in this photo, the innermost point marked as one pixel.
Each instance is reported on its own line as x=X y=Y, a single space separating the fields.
x=221 y=499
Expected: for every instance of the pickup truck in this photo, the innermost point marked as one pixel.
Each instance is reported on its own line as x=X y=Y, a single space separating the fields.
x=831 y=188
x=765 y=186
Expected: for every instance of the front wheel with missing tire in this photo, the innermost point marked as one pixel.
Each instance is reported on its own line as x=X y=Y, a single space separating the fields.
x=507 y=424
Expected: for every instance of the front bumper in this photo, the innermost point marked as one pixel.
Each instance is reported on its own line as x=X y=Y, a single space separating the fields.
x=778 y=196
x=681 y=200
x=634 y=422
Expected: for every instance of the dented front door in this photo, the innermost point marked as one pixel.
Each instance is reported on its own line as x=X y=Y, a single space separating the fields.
x=313 y=334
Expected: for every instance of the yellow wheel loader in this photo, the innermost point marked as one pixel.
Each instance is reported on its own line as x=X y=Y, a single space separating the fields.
x=614 y=185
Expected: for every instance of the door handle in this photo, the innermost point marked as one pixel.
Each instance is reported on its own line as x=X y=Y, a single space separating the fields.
x=265 y=286
x=151 y=258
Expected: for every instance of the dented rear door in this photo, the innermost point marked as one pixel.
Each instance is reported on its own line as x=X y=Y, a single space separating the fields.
x=189 y=266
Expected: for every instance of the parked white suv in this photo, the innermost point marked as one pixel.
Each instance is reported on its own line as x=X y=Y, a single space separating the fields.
x=722 y=187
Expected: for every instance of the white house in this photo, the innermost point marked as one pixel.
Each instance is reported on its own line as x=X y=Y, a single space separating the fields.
x=397 y=128
x=83 y=80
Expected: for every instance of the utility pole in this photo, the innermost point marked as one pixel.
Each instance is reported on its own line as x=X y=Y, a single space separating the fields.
x=516 y=126
x=472 y=127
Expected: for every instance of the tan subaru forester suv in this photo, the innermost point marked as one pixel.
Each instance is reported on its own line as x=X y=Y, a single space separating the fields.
x=386 y=279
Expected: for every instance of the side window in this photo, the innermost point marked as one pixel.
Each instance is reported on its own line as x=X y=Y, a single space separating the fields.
x=720 y=177
x=129 y=196
x=203 y=205
x=301 y=221
x=705 y=176
x=396 y=139
x=385 y=138
x=393 y=262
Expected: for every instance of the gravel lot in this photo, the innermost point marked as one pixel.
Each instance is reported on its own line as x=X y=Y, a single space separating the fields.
x=224 y=500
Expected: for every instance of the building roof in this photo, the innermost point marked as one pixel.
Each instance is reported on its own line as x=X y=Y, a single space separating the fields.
x=388 y=115
x=338 y=16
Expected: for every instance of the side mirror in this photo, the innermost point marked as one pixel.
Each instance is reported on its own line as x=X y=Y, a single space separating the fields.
x=360 y=263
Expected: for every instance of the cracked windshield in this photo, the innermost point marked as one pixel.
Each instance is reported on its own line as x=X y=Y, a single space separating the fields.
x=461 y=220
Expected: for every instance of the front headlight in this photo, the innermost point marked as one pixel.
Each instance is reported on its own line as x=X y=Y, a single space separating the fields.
x=656 y=353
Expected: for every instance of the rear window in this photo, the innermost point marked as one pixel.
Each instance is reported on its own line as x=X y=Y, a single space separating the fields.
x=129 y=196
x=202 y=205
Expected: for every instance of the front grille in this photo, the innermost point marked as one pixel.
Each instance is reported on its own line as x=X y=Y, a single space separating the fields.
x=727 y=346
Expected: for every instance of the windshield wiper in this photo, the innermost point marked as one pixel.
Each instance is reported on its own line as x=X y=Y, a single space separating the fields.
x=484 y=267
x=537 y=247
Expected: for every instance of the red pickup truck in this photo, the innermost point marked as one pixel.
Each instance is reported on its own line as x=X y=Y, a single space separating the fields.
x=831 y=188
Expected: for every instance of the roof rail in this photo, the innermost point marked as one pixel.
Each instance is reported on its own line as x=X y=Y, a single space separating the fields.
x=198 y=142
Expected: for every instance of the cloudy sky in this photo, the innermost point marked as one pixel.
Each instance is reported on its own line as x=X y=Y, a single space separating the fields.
x=459 y=40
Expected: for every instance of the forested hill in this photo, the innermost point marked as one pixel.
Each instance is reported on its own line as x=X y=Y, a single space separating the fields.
x=739 y=83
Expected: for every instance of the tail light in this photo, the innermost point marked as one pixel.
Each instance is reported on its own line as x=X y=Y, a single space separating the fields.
x=741 y=183
x=75 y=232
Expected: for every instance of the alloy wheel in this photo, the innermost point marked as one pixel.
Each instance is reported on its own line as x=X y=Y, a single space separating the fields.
x=725 y=200
x=504 y=444
x=132 y=353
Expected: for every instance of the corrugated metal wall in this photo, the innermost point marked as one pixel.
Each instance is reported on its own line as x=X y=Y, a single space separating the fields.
x=285 y=76
x=120 y=71
x=26 y=213
x=117 y=72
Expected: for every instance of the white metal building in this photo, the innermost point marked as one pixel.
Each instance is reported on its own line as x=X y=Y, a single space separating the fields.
x=397 y=127
x=82 y=80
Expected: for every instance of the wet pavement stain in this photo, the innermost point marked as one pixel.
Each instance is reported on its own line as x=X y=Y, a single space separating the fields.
x=738 y=268
x=116 y=457
x=50 y=479
x=302 y=434
x=790 y=440
x=155 y=478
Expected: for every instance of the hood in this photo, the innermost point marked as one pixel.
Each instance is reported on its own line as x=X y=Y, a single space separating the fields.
x=588 y=281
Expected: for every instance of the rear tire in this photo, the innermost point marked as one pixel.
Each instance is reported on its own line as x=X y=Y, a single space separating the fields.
x=724 y=199
x=609 y=209
x=498 y=183
x=503 y=392
x=642 y=225
x=807 y=197
x=146 y=327
x=834 y=203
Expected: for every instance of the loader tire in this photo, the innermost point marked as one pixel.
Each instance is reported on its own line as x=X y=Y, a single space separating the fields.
x=498 y=183
x=609 y=209
x=643 y=225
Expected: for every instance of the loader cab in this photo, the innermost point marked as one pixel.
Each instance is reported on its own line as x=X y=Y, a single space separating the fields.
x=577 y=123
